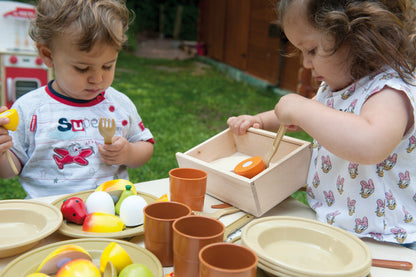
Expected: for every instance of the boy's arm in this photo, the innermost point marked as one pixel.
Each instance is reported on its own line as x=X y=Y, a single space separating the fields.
x=6 y=170
x=139 y=153
x=122 y=152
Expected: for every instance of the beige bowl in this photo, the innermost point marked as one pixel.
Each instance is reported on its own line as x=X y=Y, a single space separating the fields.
x=23 y=223
x=29 y=262
x=303 y=247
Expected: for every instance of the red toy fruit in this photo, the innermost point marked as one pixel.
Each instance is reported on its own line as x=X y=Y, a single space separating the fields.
x=73 y=210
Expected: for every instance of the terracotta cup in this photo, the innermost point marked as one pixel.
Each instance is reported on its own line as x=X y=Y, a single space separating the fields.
x=190 y=235
x=188 y=186
x=158 y=232
x=227 y=260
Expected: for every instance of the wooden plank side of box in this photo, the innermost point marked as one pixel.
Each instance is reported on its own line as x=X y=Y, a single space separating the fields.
x=283 y=178
x=228 y=187
x=218 y=146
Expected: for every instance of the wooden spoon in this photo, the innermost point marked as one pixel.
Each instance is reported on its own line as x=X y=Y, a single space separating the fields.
x=279 y=135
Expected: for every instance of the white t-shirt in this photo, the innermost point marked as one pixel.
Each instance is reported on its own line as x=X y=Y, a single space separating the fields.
x=375 y=201
x=57 y=138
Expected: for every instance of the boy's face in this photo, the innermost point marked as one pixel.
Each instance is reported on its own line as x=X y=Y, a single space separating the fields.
x=79 y=74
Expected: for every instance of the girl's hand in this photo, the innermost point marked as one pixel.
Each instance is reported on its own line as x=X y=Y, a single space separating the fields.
x=115 y=153
x=239 y=125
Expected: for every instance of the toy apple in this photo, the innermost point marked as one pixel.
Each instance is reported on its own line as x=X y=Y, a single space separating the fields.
x=79 y=267
x=73 y=209
x=136 y=270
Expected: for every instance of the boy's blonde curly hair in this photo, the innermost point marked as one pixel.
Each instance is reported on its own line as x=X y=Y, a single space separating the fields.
x=104 y=21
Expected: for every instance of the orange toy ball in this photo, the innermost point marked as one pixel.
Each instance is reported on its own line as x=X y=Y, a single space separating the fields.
x=250 y=167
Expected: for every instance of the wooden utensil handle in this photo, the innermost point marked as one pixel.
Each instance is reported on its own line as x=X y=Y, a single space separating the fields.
x=279 y=135
x=392 y=264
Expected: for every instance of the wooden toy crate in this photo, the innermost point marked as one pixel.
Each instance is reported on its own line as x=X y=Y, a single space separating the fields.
x=220 y=154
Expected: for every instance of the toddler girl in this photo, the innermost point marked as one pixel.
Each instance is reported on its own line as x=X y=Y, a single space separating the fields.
x=362 y=174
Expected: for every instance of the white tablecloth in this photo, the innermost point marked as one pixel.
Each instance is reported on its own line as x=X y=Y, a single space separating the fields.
x=289 y=207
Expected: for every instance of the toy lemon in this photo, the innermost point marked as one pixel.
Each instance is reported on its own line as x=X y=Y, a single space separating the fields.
x=250 y=167
x=115 y=254
x=14 y=119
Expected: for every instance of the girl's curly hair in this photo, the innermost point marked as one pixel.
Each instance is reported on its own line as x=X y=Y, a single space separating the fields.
x=378 y=33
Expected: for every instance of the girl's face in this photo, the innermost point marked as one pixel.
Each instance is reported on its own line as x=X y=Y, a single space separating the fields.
x=315 y=45
x=79 y=74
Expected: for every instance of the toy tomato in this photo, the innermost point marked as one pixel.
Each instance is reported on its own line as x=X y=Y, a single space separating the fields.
x=73 y=210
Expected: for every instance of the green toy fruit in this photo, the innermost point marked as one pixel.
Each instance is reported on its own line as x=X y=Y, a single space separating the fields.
x=127 y=192
x=136 y=270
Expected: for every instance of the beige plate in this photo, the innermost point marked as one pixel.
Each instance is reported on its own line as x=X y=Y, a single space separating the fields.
x=23 y=223
x=29 y=262
x=74 y=230
x=304 y=247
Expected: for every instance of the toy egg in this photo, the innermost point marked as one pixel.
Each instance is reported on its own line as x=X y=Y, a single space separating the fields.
x=131 y=210
x=100 y=201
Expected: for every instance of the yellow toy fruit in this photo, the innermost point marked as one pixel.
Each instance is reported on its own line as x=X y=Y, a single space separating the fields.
x=116 y=187
x=14 y=119
x=115 y=254
x=37 y=275
x=118 y=184
x=79 y=267
x=57 y=258
x=163 y=198
x=102 y=223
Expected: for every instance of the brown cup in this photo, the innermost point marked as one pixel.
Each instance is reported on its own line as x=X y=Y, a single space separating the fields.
x=190 y=235
x=188 y=186
x=158 y=232
x=227 y=260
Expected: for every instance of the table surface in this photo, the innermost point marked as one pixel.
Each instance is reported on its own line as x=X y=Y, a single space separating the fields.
x=289 y=207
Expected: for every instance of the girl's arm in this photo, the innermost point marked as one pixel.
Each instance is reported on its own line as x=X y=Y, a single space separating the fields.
x=367 y=138
x=266 y=120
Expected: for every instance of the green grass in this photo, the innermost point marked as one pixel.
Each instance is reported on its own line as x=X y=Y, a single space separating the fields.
x=183 y=103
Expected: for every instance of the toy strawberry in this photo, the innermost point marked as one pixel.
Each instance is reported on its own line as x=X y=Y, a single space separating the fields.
x=73 y=210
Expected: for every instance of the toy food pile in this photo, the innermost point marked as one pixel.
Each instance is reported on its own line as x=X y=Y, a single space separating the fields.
x=73 y=260
x=102 y=212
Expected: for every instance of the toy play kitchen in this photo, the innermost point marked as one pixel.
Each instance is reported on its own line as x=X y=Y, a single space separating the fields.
x=21 y=69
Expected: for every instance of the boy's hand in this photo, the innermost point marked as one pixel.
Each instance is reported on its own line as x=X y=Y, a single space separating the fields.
x=115 y=153
x=5 y=140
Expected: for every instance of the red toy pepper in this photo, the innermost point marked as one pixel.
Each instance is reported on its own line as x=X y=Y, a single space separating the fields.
x=73 y=210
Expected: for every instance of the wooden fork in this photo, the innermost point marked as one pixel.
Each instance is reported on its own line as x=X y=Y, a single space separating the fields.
x=107 y=128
